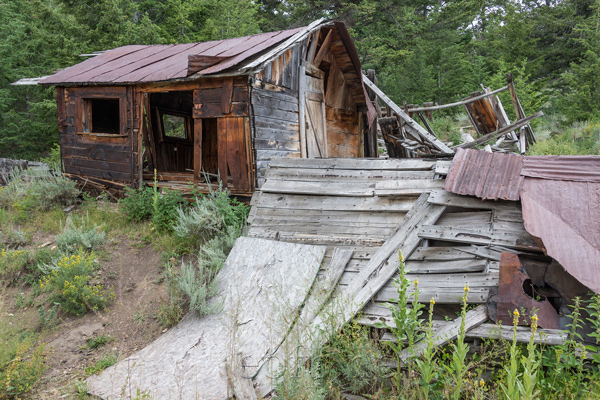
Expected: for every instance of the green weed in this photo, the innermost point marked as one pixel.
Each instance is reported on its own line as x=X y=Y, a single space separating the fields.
x=98 y=341
x=137 y=204
x=106 y=361
x=69 y=281
x=22 y=357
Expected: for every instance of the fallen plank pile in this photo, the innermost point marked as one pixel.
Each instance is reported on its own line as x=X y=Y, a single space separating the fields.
x=380 y=207
x=346 y=221
x=405 y=138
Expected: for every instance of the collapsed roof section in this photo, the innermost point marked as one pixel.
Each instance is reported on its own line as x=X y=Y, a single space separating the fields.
x=405 y=138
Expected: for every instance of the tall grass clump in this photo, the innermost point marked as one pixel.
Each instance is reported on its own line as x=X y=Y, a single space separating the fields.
x=79 y=234
x=148 y=203
x=211 y=226
x=37 y=190
x=579 y=138
x=209 y=216
x=137 y=204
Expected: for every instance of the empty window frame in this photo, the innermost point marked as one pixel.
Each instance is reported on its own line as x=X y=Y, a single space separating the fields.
x=173 y=125
x=102 y=116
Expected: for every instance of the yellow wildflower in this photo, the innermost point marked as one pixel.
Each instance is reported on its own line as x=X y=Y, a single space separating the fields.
x=516 y=313
x=432 y=301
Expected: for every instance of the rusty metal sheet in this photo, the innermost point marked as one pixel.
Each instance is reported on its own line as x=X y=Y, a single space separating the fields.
x=90 y=64
x=565 y=216
x=515 y=292
x=567 y=168
x=131 y=64
x=262 y=46
x=490 y=176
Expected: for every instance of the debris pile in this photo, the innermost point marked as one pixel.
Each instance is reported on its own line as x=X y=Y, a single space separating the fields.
x=324 y=240
x=405 y=138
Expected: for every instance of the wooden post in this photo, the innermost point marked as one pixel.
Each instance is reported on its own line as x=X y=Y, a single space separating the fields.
x=301 y=110
x=429 y=114
x=197 y=149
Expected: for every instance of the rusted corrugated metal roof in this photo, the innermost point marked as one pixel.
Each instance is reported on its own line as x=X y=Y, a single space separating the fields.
x=152 y=63
x=490 y=176
x=564 y=168
x=560 y=196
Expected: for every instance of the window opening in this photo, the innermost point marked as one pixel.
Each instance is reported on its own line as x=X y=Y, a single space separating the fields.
x=174 y=126
x=102 y=116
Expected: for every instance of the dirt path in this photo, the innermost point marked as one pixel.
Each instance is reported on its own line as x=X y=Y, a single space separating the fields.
x=135 y=272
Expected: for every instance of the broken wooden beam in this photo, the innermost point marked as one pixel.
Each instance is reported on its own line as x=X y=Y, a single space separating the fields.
x=458 y=103
x=500 y=132
x=435 y=142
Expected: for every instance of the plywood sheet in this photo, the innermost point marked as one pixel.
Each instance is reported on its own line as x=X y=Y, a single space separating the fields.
x=262 y=284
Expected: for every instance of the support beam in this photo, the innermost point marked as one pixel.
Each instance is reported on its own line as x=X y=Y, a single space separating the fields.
x=458 y=103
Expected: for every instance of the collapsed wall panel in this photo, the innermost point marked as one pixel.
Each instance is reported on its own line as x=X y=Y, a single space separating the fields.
x=262 y=284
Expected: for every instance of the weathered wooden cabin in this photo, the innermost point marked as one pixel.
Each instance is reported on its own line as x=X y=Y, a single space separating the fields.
x=199 y=111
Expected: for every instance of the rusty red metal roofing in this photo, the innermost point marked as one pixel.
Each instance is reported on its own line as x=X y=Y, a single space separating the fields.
x=566 y=168
x=152 y=63
x=560 y=196
x=565 y=215
x=490 y=176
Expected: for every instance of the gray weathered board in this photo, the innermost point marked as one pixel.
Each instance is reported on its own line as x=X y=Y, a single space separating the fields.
x=261 y=287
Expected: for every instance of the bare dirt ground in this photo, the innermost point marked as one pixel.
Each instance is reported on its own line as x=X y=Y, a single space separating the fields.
x=135 y=271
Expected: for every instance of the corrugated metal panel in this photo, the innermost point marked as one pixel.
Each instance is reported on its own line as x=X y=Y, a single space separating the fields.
x=152 y=63
x=565 y=215
x=567 y=168
x=560 y=196
x=490 y=176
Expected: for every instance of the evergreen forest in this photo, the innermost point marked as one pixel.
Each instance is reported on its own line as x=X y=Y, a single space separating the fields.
x=423 y=51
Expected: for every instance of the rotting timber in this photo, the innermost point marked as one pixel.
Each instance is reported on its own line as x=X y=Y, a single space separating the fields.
x=405 y=138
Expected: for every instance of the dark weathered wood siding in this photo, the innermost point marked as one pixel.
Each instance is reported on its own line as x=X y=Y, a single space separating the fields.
x=106 y=156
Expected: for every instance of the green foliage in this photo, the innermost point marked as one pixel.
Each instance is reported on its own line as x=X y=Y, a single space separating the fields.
x=210 y=215
x=458 y=365
x=352 y=361
x=53 y=159
x=304 y=383
x=164 y=211
x=23 y=369
x=406 y=319
x=198 y=284
x=12 y=262
x=579 y=138
x=447 y=129
x=104 y=362
x=22 y=357
x=70 y=282
x=79 y=235
x=95 y=342
x=170 y=311
x=33 y=190
x=49 y=319
x=137 y=204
